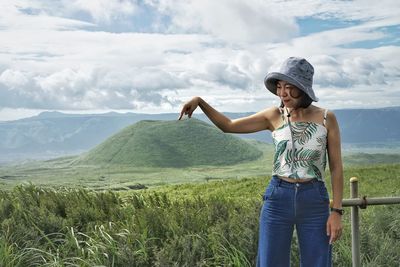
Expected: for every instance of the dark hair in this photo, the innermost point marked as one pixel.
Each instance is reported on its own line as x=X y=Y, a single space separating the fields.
x=304 y=102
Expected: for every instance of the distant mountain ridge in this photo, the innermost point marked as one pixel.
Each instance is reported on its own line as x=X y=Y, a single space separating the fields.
x=53 y=134
x=369 y=125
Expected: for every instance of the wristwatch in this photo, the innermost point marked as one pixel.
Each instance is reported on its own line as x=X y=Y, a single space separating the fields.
x=340 y=211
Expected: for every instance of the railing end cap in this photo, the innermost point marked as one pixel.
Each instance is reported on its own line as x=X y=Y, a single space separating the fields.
x=353 y=179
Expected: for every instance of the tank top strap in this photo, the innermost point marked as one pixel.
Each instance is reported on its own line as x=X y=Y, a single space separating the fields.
x=326 y=112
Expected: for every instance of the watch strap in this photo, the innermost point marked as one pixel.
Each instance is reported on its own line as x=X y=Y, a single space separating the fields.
x=340 y=211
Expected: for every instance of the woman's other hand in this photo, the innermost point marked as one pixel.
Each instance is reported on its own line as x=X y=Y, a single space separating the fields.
x=334 y=227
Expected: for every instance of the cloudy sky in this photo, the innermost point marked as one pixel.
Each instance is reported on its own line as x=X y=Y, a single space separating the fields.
x=150 y=56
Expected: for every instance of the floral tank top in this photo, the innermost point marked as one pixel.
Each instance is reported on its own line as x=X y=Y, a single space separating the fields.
x=300 y=149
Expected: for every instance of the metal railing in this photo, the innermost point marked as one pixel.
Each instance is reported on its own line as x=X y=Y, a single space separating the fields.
x=357 y=203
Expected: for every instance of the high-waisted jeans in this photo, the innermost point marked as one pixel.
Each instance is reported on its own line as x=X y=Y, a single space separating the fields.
x=304 y=205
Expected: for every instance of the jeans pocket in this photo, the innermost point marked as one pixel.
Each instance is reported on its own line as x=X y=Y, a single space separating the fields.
x=323 y=193
x=269 y=192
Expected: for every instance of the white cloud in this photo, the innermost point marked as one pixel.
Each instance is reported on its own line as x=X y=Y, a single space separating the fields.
x=226 y=74
x=228 y=20
x=87 y=88
x=349 y=72
x=59 y=54
x=13 y=79
x=339 y=66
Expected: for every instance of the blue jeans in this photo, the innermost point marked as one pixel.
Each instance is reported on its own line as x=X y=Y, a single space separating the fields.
x=286 y=205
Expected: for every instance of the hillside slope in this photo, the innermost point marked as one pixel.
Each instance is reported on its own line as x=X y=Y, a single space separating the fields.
x=170 y=144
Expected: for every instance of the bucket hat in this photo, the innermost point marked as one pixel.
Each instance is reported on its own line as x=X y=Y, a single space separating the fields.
x=296 y=71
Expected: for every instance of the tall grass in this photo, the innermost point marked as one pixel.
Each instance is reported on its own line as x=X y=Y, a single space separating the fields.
x=65 y=227
x=213 y=224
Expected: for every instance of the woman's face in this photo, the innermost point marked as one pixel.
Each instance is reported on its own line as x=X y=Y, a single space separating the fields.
x=288 y=93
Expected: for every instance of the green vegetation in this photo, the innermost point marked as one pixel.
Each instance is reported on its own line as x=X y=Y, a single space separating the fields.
x=170 y=144
x=362 y=158
x=61 y=171
x=204 y=224
x=64 y=171
x=204 y=214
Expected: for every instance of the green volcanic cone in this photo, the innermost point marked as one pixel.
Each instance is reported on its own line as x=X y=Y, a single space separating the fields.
x=171 y=144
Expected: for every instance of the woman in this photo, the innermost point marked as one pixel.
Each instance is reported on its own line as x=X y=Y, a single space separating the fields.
x=296 y=196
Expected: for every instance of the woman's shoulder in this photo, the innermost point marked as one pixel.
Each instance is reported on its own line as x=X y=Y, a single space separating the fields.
x=322 y=111
x=317 y=109
x=328 y=116
x=272 y=111
x=273 y=115
x=321 y=115
x=327 y=113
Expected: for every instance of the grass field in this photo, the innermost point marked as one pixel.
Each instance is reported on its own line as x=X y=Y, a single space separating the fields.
x=54 y=213
x=213 y=223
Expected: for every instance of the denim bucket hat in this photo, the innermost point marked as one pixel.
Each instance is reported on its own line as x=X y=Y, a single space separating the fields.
x=296 y=71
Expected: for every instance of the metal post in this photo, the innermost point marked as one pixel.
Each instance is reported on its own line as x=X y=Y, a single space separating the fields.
x=355 y=223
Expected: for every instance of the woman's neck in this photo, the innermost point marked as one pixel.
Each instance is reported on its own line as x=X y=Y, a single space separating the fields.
x=298 y=113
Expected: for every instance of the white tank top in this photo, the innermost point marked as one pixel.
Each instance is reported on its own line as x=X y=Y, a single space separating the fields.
x=300 y=149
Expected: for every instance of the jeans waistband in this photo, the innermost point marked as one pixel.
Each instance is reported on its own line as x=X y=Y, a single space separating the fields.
x=280 y=182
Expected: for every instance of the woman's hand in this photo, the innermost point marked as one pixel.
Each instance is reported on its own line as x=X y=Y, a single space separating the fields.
x=189 y=107
x=334 y=227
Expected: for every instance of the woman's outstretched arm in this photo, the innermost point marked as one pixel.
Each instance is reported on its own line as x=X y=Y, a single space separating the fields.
x=254 y=123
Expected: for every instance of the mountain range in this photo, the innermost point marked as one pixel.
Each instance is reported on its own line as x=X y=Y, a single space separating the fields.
x=53 y=134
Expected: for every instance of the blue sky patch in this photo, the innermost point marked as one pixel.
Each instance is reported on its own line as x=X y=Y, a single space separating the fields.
x=311 y=25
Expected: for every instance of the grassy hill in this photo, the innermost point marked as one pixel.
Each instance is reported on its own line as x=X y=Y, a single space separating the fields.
x=65 y=171
x=170 y=144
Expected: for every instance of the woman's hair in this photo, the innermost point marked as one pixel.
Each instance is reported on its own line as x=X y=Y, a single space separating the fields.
x=304 y=101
